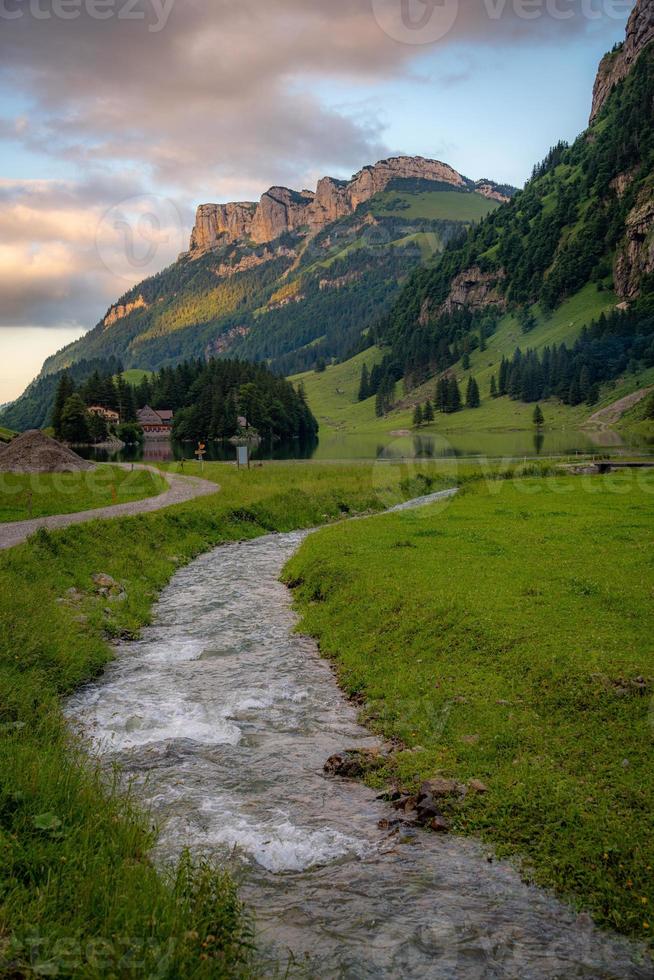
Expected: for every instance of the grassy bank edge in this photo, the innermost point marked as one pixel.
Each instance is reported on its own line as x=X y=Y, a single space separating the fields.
x=327 y=617
x=78 y=894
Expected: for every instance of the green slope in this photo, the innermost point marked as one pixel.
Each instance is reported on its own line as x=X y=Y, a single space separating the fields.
x=583 y=220
x=270 y=301
x=447 y=205
x=333 y=393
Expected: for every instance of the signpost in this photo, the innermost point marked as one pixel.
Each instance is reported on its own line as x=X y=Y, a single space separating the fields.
x=200 y=452
x=243 y=456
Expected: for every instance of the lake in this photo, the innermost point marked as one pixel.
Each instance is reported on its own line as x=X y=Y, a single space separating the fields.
x=426 y=445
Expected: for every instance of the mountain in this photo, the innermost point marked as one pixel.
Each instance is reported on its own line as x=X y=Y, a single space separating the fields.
x=290 y=280
x=584 y=221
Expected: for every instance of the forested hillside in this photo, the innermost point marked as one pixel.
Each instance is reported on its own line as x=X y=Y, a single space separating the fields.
x=291 y=302
x=293 y=298
x=585 y=217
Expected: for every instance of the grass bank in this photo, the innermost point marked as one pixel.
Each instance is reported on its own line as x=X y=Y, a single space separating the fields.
x=78 y=894
x=26 y=495
x=507 y=637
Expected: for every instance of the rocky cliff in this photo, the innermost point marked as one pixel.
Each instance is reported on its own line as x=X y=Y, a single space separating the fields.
x=635 y=259
x=617 y=65
x=281 y=210
x=471 y=289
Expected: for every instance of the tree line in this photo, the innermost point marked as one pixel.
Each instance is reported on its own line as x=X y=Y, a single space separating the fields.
x=612 y=344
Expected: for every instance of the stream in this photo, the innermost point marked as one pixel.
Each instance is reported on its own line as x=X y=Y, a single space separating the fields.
x=222 y=718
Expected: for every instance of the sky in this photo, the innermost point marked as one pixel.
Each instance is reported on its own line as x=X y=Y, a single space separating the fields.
x=119 y=117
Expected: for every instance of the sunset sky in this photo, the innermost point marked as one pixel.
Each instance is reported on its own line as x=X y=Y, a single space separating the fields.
x=121 y=122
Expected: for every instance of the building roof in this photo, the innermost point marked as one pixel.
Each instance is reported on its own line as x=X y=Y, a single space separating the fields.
x=101 y=410
x=148 y=416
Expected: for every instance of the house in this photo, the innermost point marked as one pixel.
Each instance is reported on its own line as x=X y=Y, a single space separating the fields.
x=156 y=424
x=110 y=417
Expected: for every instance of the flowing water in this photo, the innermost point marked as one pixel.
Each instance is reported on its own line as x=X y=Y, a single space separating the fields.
x=223 y=718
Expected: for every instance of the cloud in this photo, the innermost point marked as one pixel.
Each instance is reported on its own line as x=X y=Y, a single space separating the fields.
x=65 y=254
x=216 y=99
x=224 y=86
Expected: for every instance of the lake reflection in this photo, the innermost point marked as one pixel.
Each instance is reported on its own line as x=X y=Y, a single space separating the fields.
x=405 y=445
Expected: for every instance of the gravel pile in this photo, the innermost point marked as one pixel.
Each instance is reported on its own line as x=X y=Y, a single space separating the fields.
x=34 y=452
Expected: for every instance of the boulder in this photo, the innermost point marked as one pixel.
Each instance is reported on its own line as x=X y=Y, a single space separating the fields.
x=353 y=763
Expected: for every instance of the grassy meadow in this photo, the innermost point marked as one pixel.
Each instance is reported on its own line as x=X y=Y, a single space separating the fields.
x=26 y=495
x=506 y=636
x=78 y=894
x=333 y=394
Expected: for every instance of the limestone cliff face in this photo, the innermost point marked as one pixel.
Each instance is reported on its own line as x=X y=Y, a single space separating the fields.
x=617 y=65
x=636 y=256
x=120 y=311
x=281 y=210
x=472 y=290
x=488 y=189
x=221 y=222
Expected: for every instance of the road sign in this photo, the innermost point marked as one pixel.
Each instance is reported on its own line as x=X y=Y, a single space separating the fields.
x=200 y=452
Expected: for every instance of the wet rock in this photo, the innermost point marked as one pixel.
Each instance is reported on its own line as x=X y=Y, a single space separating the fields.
x=387 y=824
x=407 y=804
x=439 y=825
x=428 y=809
x=353 y=763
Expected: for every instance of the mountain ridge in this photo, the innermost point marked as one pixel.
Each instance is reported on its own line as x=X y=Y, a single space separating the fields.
x=281 y=210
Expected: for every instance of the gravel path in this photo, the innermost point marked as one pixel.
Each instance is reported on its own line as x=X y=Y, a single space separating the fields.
x=181 y=489
x=613 y=413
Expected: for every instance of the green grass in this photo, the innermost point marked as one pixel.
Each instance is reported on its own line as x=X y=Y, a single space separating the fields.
x=444 y=205
x=25 y=495
x=76 y=882
x=136 y=375
x=507 y=637
x=333 y=394
x=6 y=435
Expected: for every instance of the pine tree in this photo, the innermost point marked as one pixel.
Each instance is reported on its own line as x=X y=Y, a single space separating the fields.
x=574 y=394
x=379 y=404
x=465 y=363
x=74 y=421
x=442 y=395
x=417 y=417
x=473 y=399
x=429 y=412
x=364 y=387
x=503 y=386
x=585 y=383
x=453 y=395
x=493 y=387
x=65 y=389
x=539 y=418
x=97 y=427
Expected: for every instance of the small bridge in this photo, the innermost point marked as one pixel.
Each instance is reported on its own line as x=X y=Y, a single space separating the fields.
x=608 y=465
